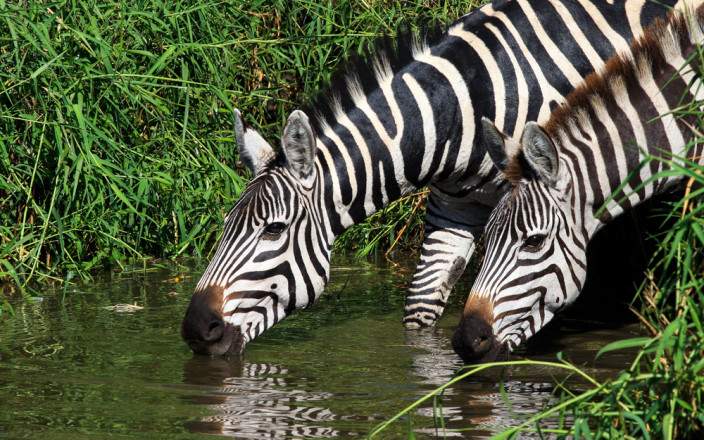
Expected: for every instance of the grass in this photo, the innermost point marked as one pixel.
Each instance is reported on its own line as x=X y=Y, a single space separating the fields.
x=116 y=141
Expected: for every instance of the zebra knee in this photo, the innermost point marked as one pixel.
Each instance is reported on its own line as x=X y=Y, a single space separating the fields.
x=422 y=310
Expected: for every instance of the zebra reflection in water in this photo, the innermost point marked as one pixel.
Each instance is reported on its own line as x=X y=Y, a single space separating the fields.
x=254 y=401
x=258 y=400
x=476 y=403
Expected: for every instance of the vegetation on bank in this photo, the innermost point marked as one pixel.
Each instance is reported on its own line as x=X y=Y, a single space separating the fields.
x=116 y=138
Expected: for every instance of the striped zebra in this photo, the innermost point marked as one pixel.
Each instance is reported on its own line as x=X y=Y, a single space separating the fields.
x=609 y=148
x=406 y=120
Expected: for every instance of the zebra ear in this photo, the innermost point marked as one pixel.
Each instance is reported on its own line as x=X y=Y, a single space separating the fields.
x=540 y=153
x=495 y=144
x=254 y=151
x=298 y=144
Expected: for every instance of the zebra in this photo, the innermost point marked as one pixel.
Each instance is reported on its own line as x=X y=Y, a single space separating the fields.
x=404 y=120
x=606 y=150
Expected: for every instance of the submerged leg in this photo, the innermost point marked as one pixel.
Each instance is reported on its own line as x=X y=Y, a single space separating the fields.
x=451 y=227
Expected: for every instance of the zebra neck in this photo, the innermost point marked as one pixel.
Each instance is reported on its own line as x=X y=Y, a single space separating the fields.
x=626 y=129
x=621 y=153
x=407 y=133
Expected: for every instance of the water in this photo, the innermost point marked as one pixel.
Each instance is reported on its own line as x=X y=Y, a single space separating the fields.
x=72 y=366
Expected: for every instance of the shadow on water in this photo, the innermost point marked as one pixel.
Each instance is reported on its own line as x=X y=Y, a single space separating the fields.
x=72 y=366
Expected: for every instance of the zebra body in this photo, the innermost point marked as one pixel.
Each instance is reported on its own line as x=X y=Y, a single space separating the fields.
x=409 y=120
x=609 y=148
x=533 y=54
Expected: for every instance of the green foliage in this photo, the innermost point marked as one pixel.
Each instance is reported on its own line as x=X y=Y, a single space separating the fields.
x=116 y=117
x=397 y=227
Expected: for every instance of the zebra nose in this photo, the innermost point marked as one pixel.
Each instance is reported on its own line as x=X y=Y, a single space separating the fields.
x=214 y=330
x=202 y=325
x=474 y=340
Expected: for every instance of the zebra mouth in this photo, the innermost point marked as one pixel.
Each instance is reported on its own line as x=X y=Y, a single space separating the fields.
x=474 y=341
x=494 y=351
x=230 y=344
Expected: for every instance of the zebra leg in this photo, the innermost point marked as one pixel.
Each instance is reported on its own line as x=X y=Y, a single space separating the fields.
x=451 y=226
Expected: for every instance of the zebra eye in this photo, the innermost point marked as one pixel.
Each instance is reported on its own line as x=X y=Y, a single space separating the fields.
x=533 y=242
x=273 y=229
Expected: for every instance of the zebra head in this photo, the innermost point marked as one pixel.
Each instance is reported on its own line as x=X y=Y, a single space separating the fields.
x=274 y=253
x=535 y=260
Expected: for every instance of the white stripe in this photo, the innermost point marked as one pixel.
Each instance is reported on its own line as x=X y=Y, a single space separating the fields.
x=342 y=210
x=620 y=93
x=522 y=85
x=560 y=59
x=633 y=10
x=582 y=41
x=598 y=164
x=548 y=92
x=427 y=121
x=394 y=145
x=617 y=147
x=489 y=61
x=620 y=44
x=672 y=131
x=363 y=149
x=454 y=77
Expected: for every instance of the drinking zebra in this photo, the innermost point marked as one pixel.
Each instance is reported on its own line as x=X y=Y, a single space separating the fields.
x=609 y=148
x=406 y=120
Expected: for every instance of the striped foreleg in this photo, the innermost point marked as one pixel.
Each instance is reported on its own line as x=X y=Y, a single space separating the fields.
x=451 y=226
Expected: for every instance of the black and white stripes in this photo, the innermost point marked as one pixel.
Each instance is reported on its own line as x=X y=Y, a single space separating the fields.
x=408 y=119
x=607 y=149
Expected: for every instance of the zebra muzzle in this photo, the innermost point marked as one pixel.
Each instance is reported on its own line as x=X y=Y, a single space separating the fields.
x=474 y=340
x=205 y=331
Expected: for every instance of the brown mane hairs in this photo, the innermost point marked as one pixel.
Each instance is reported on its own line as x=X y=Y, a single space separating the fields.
x=647 y=48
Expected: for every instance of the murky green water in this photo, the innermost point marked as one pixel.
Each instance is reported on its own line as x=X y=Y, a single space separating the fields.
x=71 y=367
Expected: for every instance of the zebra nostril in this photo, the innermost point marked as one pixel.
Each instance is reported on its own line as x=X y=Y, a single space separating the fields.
x=215 y=331
x=482 y=344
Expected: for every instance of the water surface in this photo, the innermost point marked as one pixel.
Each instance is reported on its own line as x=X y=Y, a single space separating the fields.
x=72 y=366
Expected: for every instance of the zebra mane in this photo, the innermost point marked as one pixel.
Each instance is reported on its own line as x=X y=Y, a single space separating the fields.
x=652 y=49
x=362 y=73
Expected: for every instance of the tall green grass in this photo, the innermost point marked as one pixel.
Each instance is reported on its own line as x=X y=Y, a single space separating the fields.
x=116 y=118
